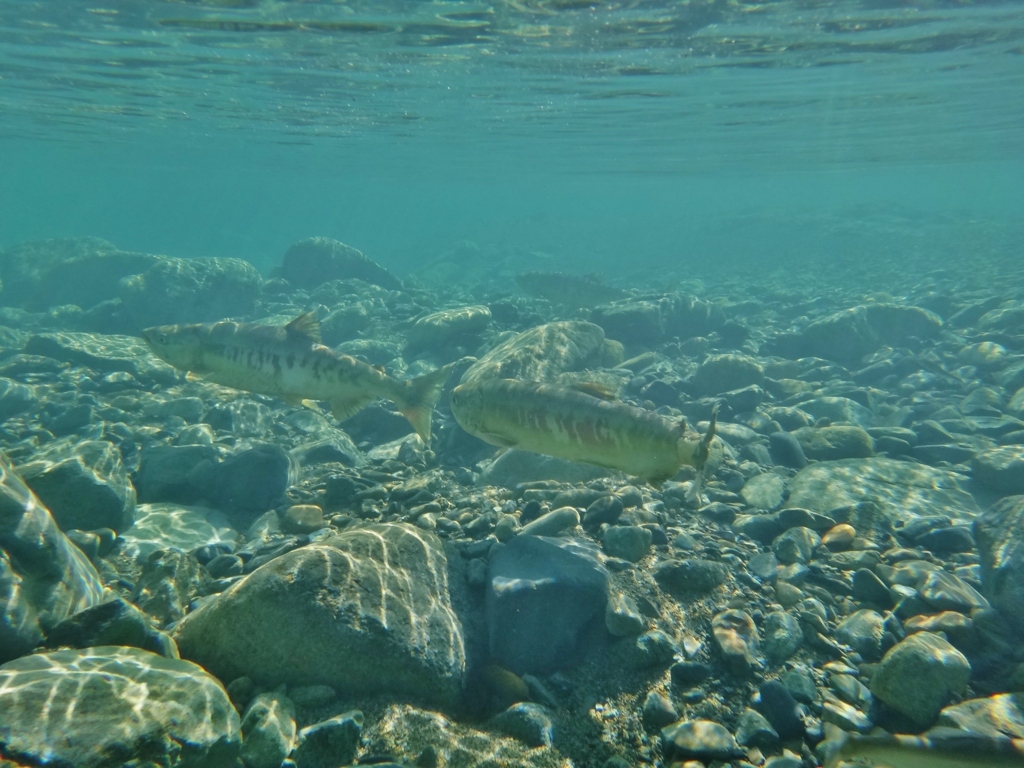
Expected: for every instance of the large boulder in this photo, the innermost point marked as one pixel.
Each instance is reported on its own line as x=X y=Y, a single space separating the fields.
x=104 y=354
x=83 y=484
x=900 y=490
x=645 y=322
x=366 y=611
x=102 y=707
x=317 y=260
x=545 y=352
x=176 y=290
x=542 y=593
x=44 y=578
x=999 y=533
x=1001 y=469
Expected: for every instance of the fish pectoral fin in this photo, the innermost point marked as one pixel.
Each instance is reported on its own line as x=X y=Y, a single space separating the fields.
x=305 y=326
x=193 y=376
x=345 y=409
x=596 y=389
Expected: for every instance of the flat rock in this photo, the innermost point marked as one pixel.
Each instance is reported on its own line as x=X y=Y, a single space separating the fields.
x=541 y=595
x=835 y=443
x=996 y=716
x=364 y=611
x=173 y=526
x=903 y=491
x=764 y=491
x=106 y=354
x=44 y=578
x=316 y=260
x=111 y=704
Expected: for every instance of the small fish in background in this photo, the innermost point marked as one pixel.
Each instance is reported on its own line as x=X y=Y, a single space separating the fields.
x=580 y=424
x=569 y=290
x=290 y=362
x=937 y=748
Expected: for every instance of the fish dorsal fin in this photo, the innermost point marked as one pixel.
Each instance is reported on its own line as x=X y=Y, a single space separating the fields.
x=596 y=389
x=305 y=326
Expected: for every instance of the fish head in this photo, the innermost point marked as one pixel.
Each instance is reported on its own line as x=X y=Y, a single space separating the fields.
x=179 y=345
x=467 y=407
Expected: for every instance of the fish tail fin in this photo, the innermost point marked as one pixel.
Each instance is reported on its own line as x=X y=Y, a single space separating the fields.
x=419 y=397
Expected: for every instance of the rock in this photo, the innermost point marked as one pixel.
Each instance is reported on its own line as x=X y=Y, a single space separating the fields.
x=15 y=398
x=753 y=730
x=835 y=443
x=652 y=649
x=945 y=541
x=541 y=594
x=169 y=473
x=764 y=491
x=268 y=731
x=839 y=410
x=948 y=592
x=302 y=518
x=997 y=717
x=189 y=291
x=629 y=542
x=604 y=510
x=919 y=675
x=1001 y=469
x=438 y=329
x=849 y=335
x=800 y=683
x=527 y=722
x=782 y=637
x=553 y=523
x=786 y=450
x=409 y=733
x=366 y=610
x=172 y=526
x=900 y=490
x=622 y=617
x=316 y=260
x=699 y=740
x=839 y=537
x=169 y=580
x=868 y=588
x=183 y=718
x=247 y=483
x=514 y=466
x=544 y=352
x=737 y=640
x=44 y=578
x=116 y=622
x=83 y=484
x=796 y=545
x=686 y=674
x=330 y=743
x=691 y=577
x=863 y=631
x=658 y=711
x=723 y=373
x=105 y=354
x=845 y=715
x=1000 y=535
x=779 y=707
x=646 y=321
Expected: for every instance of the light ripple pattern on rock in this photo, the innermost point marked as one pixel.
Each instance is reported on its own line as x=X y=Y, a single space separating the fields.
x=364 y=611
x=164 y=526
x=100 y=707
x=44 y=578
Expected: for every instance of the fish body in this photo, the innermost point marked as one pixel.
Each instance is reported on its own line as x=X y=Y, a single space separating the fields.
x=577 y=425
x=290 y=362
x=957 y=749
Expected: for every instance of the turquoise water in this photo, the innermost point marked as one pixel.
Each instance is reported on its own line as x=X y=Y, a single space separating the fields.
x=593 y=131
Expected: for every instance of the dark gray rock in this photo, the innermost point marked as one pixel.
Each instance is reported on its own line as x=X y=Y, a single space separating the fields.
x=170 y=473
x=268 y=731
x=116 y=622
x=835 y=443
x=782 y=636
x=184 y=719
x=316 y=260
x=796 y=545
x=863 y=631
x=528 y=722
x=691 y=577
x=83 y=484
x=780 y=709
x=753 y=730
x=686 y=674
x=247 y=483
x=15 y=398
x=658 y=711
x=44 y=578
x=699 y=740
x=541 y=595
x=1001 y=469
x=330 y=743
x=723 y=373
